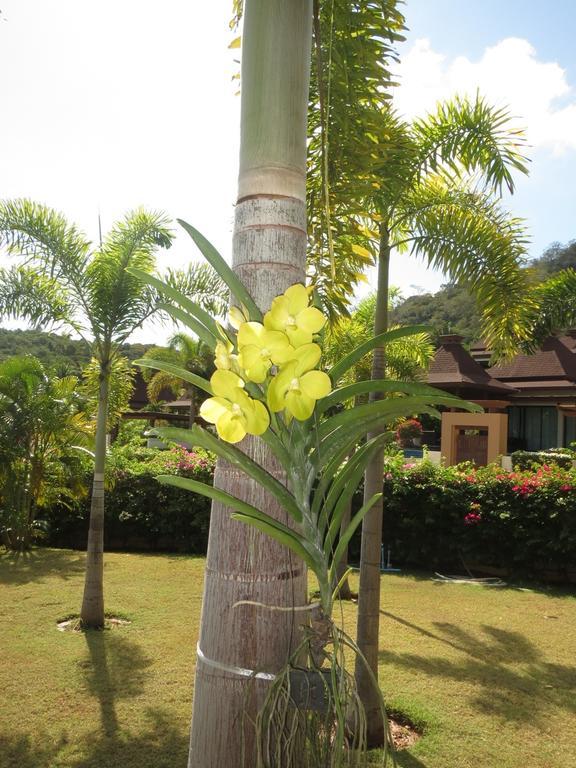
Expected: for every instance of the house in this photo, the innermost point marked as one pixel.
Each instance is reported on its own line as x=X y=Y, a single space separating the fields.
x=537 y=392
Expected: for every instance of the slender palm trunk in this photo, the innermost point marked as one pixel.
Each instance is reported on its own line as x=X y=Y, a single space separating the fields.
x=92 y=612
x=269 y=249
x=369 y=590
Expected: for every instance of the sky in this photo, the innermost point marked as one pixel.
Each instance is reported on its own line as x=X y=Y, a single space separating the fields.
x=123 y=103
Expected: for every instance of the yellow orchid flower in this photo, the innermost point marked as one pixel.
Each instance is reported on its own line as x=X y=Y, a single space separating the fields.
x=260 y=349
x=291 y=314
x=223 y=357
x=236 y=317
x=234 y=413
x=296 y=387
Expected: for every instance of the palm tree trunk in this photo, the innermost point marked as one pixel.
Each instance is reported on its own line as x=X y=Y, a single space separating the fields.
x=369 y=589
x=269 y=250
x=92 y=612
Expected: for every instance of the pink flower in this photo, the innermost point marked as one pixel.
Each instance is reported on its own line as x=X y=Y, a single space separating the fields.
x=472 y=518
x=565 y=487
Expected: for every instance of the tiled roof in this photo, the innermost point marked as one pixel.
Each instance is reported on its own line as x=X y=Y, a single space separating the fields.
x=453 y=365
x=554 y=362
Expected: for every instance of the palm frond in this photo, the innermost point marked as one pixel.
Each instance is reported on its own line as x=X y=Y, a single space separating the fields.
x=31 y=295
x=475 y=136
x=553 y=307
x=119 y=302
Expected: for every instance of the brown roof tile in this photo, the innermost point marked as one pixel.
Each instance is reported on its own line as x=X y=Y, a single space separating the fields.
x=555 y=361
x=453 y=365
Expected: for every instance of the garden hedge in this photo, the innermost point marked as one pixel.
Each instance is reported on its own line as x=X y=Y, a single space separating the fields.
x=437 y=518
x=523 y=522
x=141 y=514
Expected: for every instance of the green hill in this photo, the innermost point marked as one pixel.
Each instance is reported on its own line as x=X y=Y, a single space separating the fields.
x=56 y=351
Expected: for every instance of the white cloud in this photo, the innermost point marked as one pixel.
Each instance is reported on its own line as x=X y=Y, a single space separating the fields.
x=508 y=73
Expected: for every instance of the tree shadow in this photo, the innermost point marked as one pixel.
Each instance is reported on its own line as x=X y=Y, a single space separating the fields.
x=114 y=669
x=406 y=759
x=161 y=744
x=19 y=751
x=23 y=567
x=509 y=674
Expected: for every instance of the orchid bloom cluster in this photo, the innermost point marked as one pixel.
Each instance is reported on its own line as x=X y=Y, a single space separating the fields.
x=277 y=359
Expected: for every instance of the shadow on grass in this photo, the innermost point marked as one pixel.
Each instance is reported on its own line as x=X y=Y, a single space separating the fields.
x=23 y=567
x=159 y=745
x=19 y=751
x=518 y=694
x=115 y=668
x=405 y=759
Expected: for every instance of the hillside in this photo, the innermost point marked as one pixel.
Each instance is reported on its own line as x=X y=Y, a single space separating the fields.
x=55 y=351
x=453 y=310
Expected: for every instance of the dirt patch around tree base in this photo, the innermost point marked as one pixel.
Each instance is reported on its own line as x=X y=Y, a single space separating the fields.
x=404 y=733
x=73 y=623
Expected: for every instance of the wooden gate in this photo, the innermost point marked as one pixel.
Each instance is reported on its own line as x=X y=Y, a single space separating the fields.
x=472 y=445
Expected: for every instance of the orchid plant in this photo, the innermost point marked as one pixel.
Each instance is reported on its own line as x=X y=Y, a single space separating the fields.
x=269 y=384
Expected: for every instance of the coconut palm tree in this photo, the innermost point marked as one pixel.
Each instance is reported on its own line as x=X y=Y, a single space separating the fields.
x=61 y=278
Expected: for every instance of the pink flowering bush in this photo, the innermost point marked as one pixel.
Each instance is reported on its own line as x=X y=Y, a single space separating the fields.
x=524 y=521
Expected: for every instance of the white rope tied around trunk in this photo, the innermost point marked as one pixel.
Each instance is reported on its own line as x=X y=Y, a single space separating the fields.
x=241 y=671
x=238 y=671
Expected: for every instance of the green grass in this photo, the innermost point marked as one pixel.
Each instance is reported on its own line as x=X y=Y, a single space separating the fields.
x=489 y=673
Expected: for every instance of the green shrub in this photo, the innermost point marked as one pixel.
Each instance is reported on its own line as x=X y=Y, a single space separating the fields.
x=523 y=521
x=142 y=514
x=531 y=459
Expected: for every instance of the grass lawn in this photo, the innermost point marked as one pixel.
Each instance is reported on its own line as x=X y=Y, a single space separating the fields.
x=491 y=673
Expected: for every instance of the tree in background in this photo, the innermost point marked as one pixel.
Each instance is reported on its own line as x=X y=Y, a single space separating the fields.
x=185 y=352
x=430 y=187
x=42 y=434
x=62 y=279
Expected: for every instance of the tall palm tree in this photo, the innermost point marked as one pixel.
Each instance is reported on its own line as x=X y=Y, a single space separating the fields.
x=429 y=187
x=62 y=279
x=269 y=251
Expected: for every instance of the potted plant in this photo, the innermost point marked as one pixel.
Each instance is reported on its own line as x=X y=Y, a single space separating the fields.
x=409 y=433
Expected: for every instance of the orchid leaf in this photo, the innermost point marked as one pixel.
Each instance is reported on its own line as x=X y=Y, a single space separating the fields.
x=345 y=484
x=349 y=532
x=376 y=341
x=380 y=385
x=175 y=370
x=281 y=534
x=233 y=282
x=246 y=513
x=197 y=436
x=177 y=296
x=179 y=315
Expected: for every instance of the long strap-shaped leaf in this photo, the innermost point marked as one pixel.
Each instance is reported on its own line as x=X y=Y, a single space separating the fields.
x=175 y=370
x=191 y=322
x=350 y=434
x=347 y=535
x=380 y=385
x=388 y=408
x=198 y=436
x=376 y=341
x=233 y=282
x=345 y=485
x=177 y=296
x=246 y=513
